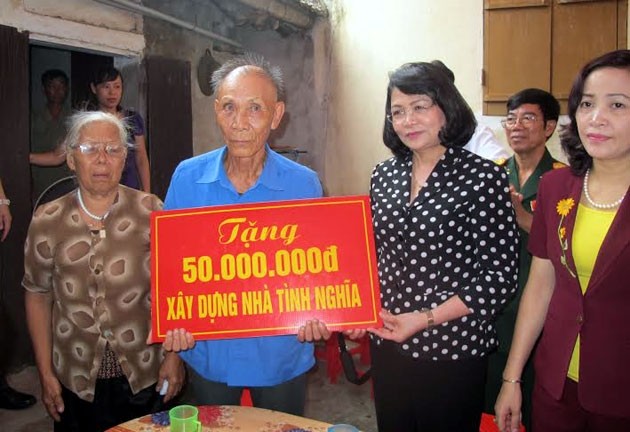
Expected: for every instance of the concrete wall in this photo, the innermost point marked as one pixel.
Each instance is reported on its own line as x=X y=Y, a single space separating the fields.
x=370 y=38
x=167 y=40
x=298 y=55
x=305 y=71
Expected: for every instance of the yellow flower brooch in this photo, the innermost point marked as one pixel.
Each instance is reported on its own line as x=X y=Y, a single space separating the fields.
x=563 y=208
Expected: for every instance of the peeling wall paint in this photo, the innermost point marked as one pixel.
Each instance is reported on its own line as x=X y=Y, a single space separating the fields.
x=86 y=12
x=164 y=39
x=303 y=125
x=80 y=24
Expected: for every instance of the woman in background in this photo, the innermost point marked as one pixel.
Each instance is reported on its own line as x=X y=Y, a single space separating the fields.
x=447 y=243
x=107 y=91
x=578 y=283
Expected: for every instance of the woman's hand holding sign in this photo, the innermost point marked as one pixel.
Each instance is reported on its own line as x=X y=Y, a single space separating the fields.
x=399 y=328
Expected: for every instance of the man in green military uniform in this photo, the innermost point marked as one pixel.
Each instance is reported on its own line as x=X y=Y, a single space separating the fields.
x=532 y=118
x=48 y=129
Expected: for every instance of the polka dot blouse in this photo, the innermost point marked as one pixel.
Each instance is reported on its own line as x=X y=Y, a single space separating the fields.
x=458 y=237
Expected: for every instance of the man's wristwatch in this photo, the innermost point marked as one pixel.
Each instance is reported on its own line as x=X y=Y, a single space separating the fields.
x=4 y=201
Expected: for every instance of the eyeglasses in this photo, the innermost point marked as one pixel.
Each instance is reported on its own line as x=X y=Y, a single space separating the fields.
x=419 y=109
x=93 y=148
x=526 y=120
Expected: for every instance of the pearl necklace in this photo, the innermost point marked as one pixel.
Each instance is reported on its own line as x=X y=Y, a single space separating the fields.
x=87 y=212
x=593 y=203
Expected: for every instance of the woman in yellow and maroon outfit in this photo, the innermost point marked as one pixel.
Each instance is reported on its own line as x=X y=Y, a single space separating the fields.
x=578 y=284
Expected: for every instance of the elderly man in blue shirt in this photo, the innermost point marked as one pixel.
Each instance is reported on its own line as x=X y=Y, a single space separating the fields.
x=249 y=104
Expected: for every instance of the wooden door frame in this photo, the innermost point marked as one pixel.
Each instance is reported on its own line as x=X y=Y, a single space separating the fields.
x=15 y=174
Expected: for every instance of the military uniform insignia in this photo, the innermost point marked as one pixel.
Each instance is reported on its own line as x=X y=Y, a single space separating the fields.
x=532 y=205
x=500 y=161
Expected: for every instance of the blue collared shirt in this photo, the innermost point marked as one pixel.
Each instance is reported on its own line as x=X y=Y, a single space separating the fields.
x=249 y=362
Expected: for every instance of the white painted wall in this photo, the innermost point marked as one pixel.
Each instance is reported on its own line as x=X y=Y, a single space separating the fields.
x=371 y=38
x=83 y=24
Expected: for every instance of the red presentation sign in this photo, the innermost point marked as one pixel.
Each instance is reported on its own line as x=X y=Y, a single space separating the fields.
x=264 y=269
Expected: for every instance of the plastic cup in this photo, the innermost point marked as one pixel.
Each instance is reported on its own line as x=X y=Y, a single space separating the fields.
x=342 y=428
x=184 y=418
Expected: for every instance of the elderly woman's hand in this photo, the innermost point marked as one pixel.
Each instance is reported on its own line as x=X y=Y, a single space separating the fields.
x=51 y=396
x=398 y=328
x=312 y=331
x=171 y=370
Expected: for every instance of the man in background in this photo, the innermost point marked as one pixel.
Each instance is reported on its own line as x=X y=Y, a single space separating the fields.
x=531 y=119
x=48 y=129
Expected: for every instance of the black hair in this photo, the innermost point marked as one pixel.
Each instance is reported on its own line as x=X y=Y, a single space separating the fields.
x=102 y=75
x=428 y=79
x=53 y=74
x=105 y=74
x=579 y=160
x=250 y=60
x=548 y=104
x=445 y=69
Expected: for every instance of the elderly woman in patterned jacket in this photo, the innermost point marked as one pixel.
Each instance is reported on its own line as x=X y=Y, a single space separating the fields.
x=87 y=289
x=447 y=246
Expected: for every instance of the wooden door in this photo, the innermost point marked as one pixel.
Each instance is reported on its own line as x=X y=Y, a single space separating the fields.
x=570 y=20
x=517 y=49
x=169 y=118
x=544 y=43
x=15 y=174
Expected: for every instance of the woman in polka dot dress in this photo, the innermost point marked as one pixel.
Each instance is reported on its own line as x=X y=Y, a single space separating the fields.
x=447 y=245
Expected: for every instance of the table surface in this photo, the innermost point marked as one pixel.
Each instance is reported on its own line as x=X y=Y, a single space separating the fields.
x=233 y=418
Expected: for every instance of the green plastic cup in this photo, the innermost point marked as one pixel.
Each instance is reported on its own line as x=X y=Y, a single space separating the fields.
x=184 y=418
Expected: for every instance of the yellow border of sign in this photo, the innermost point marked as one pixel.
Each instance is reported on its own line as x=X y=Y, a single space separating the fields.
x=366 y=231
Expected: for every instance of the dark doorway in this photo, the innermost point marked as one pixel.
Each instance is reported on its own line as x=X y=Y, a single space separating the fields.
x=15 y=174
x=48 y=129
x=165 y=86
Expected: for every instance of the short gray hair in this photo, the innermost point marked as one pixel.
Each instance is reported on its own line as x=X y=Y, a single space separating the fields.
x=254 y=61
x=80 y=119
